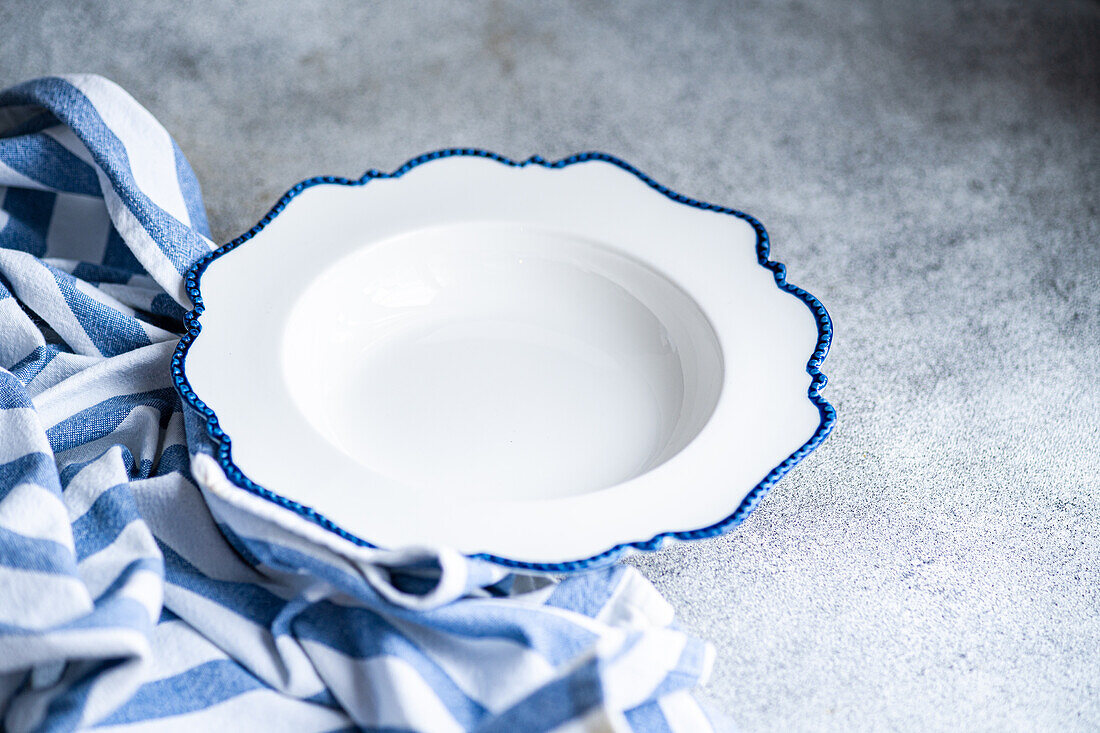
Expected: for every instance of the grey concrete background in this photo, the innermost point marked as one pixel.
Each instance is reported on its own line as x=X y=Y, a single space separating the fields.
x=930 y=170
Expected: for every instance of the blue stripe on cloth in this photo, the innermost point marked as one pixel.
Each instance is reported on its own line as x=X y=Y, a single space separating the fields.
x=166 y=615
x=692 y=659
x=363 y=634
x=649 y=718
x=31 y=365
x=112 y=331
x=34 y=553
x=105 y=519
x=118 y=254
x=557 y=639
x=687 y=671
x=12 y=392
x=95 y=274
x=192 y=193
x=165 y=305
x=250 y=601
x=31 y=468
x=587 y=593
x=181 y=245
x=100 y=420
x=356 y=632
x=196 y=689
x=140 y=565
x=174 y=459
x=558 y=702
x=42 y=159
x=66 y=710
x=29 y=213
x=554 y=637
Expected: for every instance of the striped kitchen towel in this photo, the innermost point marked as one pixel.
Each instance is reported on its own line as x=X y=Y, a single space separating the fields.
x=139 y=589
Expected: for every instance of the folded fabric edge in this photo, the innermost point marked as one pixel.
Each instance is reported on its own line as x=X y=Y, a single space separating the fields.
x=372 y=562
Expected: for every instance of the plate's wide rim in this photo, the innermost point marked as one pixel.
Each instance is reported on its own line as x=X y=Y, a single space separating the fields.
x=223 y=451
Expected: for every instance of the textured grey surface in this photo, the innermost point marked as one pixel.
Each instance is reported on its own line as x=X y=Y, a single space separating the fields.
x=930 y=170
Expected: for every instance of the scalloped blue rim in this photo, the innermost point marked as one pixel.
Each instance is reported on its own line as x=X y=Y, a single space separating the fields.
x=778 y=269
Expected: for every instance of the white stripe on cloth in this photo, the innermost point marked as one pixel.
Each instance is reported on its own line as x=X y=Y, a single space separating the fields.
x=495 y=672
x=103 y=567
x=635 y=604
x=33 y=284
x=148 y=146
x=21 y=421
x=133 y=294
x=145 y=249
x=21 y=336
x=61 y=367
x=93 y=480
x=180 y=647
x=137 y=371
x=36 y=512
x=29 y=653
x=382 y=691
x=38 y=600
x=114 y=686
x=137 y=433
x=282 y=666
x=682 y=713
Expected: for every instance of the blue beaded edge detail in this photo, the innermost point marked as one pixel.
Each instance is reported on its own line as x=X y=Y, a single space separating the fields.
x=778 y=269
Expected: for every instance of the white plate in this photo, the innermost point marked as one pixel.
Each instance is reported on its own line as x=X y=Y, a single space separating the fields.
x=542 y=364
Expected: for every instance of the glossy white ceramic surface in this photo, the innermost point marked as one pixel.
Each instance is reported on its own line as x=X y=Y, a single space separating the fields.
x=532 y=363
x=501 y=361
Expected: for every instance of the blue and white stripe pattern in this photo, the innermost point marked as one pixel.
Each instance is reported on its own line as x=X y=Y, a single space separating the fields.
x=140 y=589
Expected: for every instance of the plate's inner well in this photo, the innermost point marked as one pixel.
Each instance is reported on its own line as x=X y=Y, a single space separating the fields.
x=499 y=361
